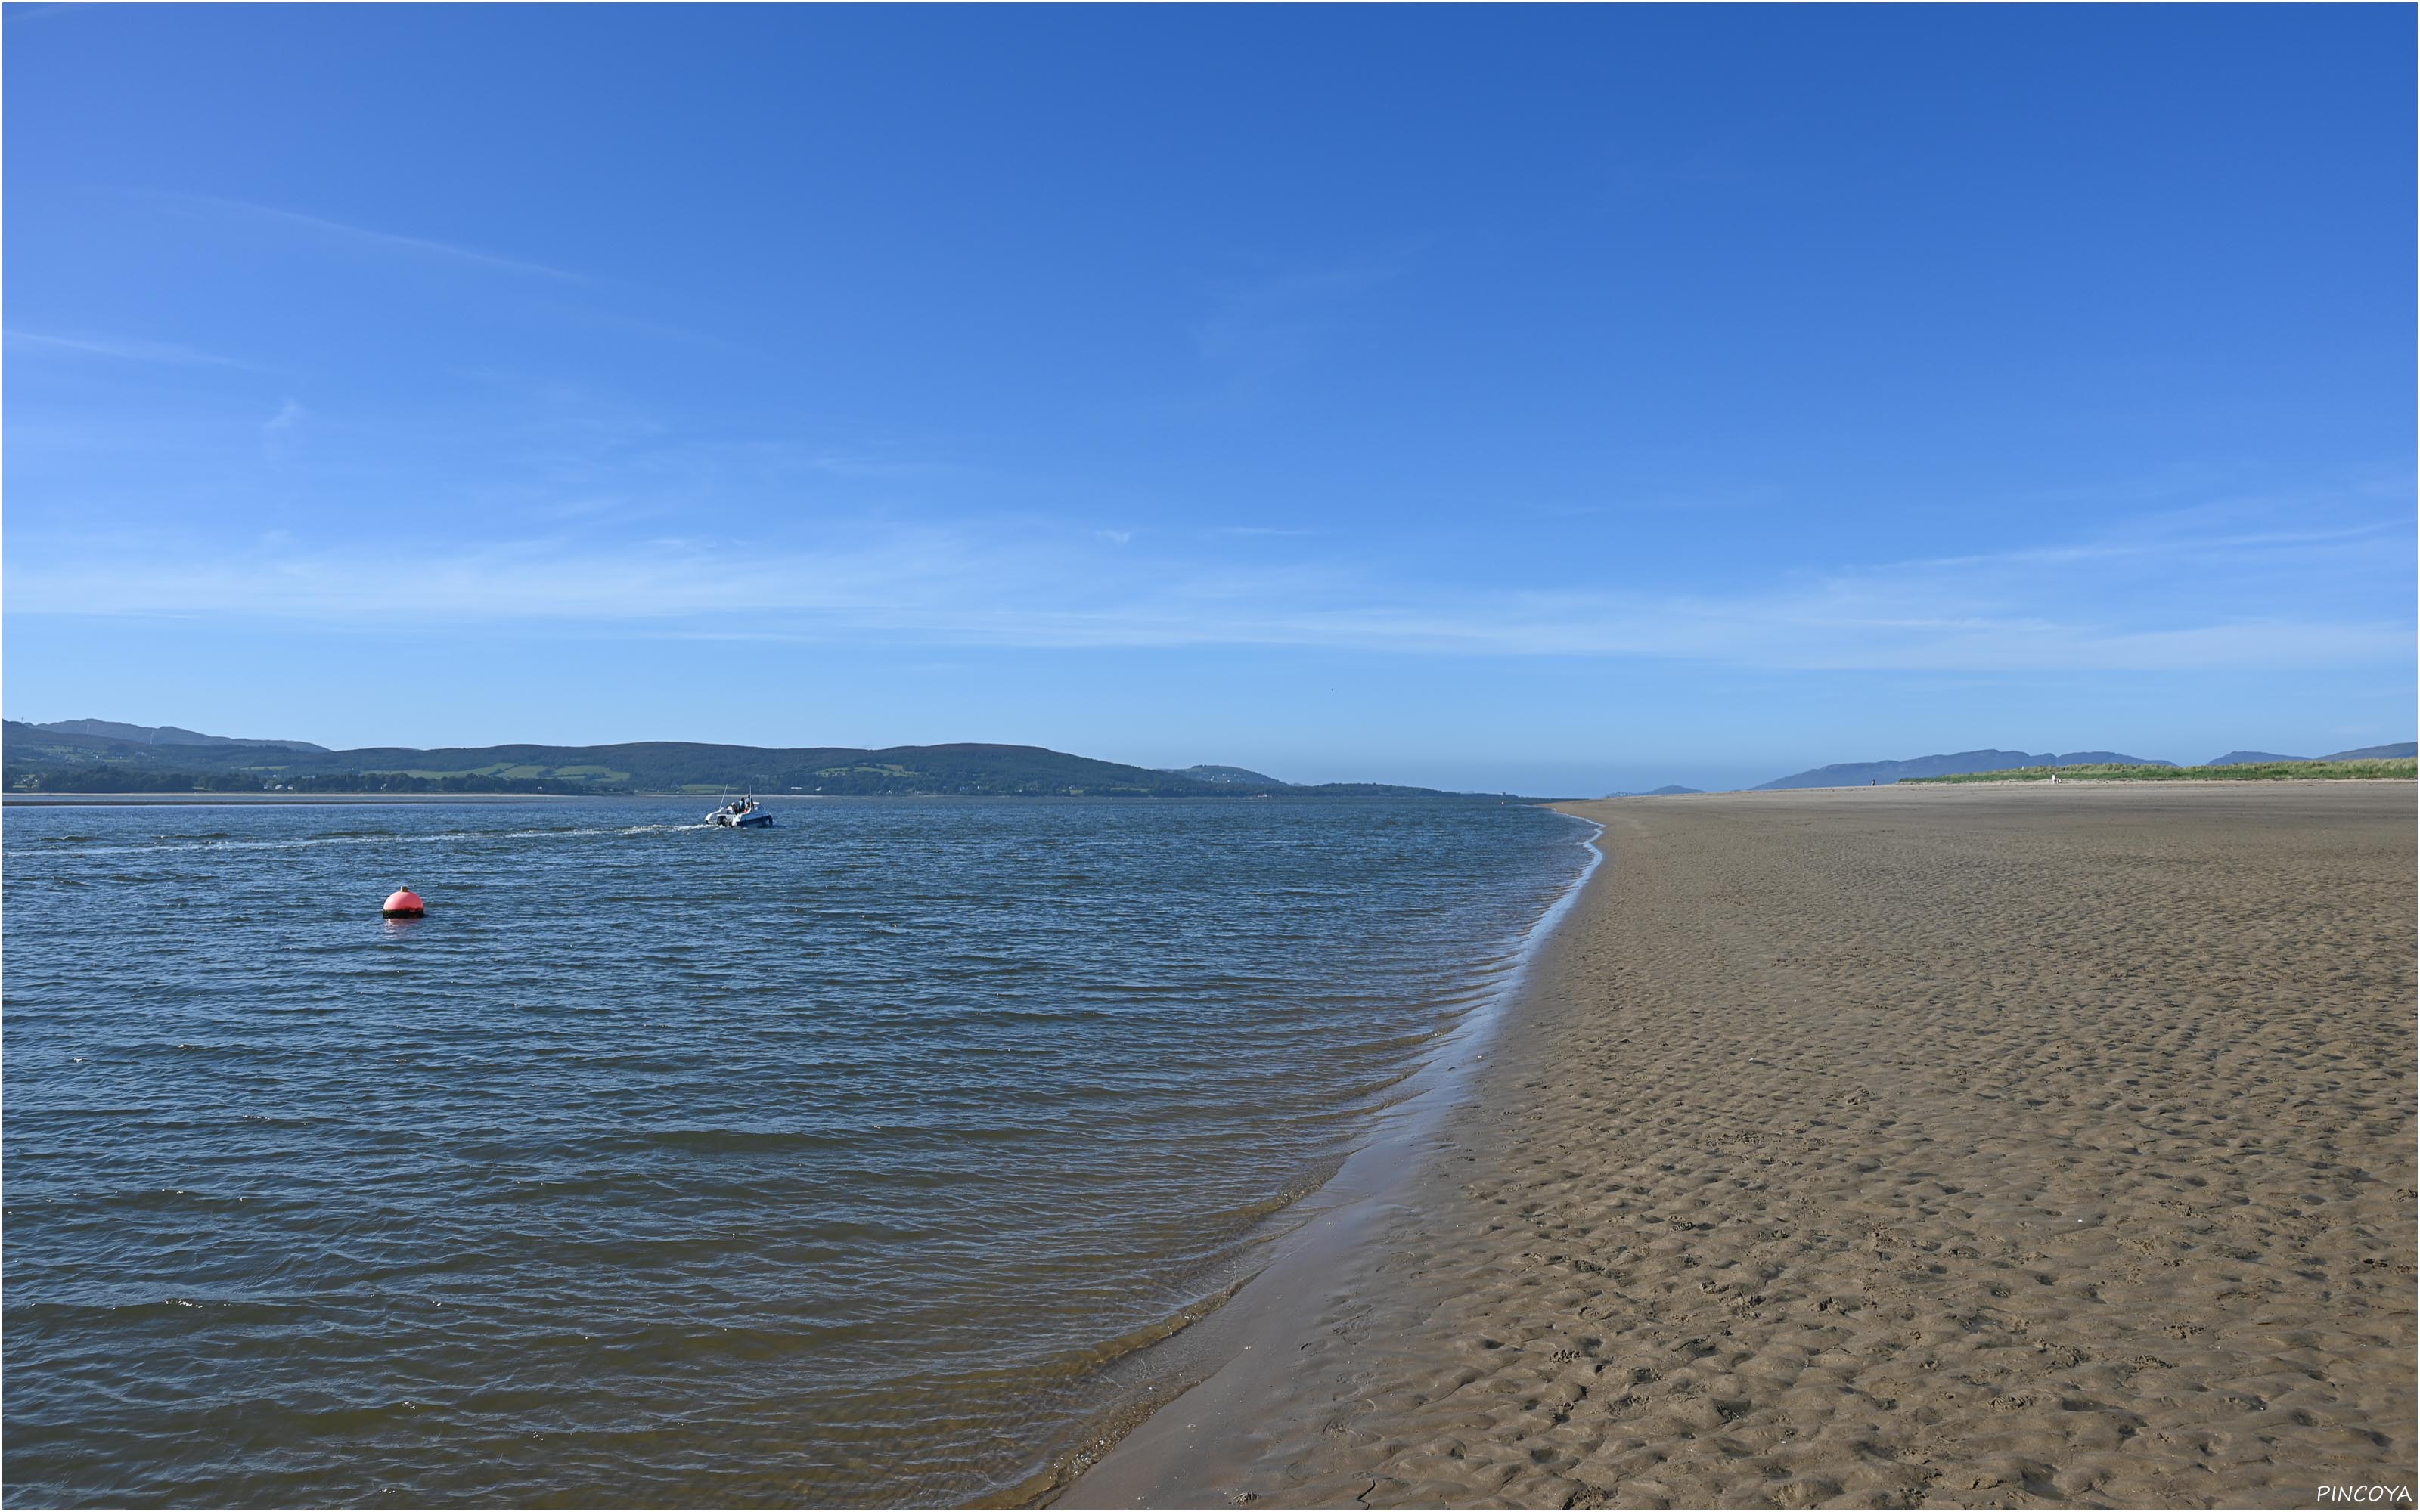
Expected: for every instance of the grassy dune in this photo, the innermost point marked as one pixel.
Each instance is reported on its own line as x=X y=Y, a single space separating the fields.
x=2247 y=772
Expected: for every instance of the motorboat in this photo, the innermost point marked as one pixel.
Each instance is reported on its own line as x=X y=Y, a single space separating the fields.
x=741 y=813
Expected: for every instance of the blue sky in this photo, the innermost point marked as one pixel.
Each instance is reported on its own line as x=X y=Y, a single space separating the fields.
x=1558 y=399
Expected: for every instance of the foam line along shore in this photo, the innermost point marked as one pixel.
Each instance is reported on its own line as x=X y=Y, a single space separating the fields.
x=1218 y=1371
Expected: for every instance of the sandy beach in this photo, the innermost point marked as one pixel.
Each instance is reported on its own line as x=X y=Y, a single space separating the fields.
x=2011 y=1146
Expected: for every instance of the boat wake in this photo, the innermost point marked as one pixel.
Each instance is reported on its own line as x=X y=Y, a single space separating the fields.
x=171 y=844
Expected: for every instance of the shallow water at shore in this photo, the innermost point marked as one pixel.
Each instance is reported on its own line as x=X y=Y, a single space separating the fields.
x=661 y=1165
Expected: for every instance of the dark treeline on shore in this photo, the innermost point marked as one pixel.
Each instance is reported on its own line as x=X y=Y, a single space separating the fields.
x=106 y=780
x=39 y=759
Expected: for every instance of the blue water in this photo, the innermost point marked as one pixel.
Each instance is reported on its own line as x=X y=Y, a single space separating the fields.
x=661 y=1165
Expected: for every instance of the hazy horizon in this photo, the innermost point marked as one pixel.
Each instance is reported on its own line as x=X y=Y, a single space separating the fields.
x=1554 y=401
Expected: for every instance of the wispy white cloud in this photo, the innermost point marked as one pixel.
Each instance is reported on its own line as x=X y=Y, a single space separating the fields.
x=16 y=15
x=279 y=432
x=123 y=348
x=1257 y=330
x=885 y=470
x=426 y=248
x=2058 y=608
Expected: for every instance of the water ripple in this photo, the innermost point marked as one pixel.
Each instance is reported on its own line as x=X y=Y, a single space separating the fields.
x=824 y=1165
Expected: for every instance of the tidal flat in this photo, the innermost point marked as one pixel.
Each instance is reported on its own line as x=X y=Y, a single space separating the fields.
x=1959 y=1145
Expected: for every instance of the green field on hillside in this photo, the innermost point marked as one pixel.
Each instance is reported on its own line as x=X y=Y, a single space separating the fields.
x=2403 y=767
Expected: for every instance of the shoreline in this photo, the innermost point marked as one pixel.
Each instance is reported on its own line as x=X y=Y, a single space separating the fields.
x=156 y=800
x=1977 y=1144
x=1215 y=1366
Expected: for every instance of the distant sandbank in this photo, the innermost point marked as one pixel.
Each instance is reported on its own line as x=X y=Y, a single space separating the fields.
x=1965 y=1146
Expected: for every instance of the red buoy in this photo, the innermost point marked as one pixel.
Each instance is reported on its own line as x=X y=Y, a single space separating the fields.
x=405 y=903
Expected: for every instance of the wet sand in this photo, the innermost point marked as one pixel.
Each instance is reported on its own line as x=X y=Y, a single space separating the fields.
x=1887 y=1147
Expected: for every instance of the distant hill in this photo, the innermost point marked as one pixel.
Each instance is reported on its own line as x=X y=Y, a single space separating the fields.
x=1858 y=774
x=1225 y=775
x=39 y=758
x=165 y=734
x=2366 y=753
x=1670 y=789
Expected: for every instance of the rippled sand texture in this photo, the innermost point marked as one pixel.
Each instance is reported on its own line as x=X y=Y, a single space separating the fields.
x=1947 y=1147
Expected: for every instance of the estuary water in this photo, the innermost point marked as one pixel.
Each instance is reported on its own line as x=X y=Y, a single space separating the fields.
x=659 y=1165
